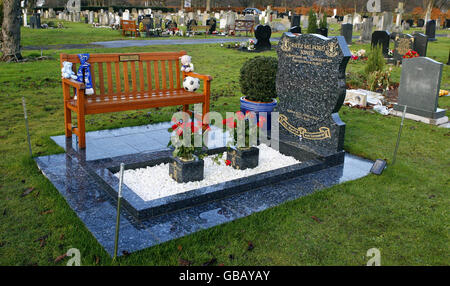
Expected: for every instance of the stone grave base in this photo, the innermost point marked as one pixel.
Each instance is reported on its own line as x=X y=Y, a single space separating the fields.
x=431 y=121
x=79 y=177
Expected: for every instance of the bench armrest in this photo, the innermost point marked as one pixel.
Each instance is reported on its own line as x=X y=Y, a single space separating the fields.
x=73 y=83
x=207 y=78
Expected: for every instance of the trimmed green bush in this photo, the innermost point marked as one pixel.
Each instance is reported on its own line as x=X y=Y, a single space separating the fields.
x=375 y=60
x=323 y=22
x=312 y=22
x=258 y=77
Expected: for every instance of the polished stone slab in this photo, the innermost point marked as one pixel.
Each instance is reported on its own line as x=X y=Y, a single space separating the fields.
x=70 y=174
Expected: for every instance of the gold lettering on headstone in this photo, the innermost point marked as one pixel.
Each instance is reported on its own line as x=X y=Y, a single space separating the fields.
x=324 y=132
x=332 y=49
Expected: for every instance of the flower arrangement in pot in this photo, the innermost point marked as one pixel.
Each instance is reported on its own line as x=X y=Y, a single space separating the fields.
x=186 y=166
x=242 y=153
x=258 y=84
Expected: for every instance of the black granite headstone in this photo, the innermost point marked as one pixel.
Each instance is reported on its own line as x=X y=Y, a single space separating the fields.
x=381 y=38
x=296 y=30
x=420 y=23
x=296 y=20
x=431 y=30
x=420 y=44
x=310 y=86
x=402 y=44
x=262 y=35
x=347 y=32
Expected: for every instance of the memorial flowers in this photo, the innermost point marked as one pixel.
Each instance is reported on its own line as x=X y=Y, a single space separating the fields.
x=410 y=54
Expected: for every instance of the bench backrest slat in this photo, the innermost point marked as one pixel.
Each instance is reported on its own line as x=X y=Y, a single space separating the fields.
x=129 y=74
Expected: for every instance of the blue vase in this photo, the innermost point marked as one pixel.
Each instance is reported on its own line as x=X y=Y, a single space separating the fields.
x=257 y=107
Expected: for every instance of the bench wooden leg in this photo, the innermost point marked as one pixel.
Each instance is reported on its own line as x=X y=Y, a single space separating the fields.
x=67 y=120
x=81 y=131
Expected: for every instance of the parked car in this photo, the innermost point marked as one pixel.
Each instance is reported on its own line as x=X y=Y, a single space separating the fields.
x=253 y=11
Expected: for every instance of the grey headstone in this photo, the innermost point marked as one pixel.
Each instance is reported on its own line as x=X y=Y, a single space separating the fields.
x=419 y=87
x=366 y=33
x=311 y=89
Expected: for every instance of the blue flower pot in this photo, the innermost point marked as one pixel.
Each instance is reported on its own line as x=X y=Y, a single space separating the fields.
x=257 y=107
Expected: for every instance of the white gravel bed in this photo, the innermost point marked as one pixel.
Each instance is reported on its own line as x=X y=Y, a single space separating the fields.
x=154 y=182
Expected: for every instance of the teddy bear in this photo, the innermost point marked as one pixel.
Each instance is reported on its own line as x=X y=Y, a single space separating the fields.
x=186 y=64
x=67 y=71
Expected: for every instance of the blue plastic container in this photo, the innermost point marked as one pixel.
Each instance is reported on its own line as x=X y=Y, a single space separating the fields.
x=257 y=107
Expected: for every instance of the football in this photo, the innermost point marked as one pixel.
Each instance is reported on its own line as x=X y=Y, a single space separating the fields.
x=191 y=83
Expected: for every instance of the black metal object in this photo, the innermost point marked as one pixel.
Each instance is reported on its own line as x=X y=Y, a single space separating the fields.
x=378 y=167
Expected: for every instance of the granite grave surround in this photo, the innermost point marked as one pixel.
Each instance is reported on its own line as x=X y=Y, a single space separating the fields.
x=84 y=178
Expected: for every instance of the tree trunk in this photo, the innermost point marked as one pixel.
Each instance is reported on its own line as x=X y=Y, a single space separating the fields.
x=11 y=31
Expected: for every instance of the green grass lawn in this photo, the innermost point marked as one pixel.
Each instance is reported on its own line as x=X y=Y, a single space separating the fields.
x=403 y=212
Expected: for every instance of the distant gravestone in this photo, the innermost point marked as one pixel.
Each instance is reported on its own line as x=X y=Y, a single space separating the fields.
x=310 y=86
x=420 y=44
x=431 y=30
x=420 y=23
x=402 y=44
x=387 y=21
x=419 y=87
x=262 y=35
x=410 y=22
x=347 y=32
x=381 y=38
x=366 y=33
x=296 y=20
x=73 y=6
x=447 y=24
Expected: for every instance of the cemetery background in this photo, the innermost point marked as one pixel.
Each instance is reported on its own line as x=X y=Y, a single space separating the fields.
x=402 y=212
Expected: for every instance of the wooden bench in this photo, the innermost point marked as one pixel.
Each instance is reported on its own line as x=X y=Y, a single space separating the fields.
x=156 y=81
x=200 y=28
x=129 y=26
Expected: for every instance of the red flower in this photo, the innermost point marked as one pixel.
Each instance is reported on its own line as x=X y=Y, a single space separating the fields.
x=240 y=115
x=250 y=114
x=227 y=162
x=175 y=126
x=206 y=127
x=180 y=131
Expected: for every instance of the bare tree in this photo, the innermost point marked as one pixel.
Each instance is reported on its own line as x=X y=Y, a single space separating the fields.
x=11 y=31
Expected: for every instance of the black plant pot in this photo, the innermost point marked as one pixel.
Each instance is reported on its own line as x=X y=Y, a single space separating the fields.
x=323 y=31
x=184 y=171
x=243 y=158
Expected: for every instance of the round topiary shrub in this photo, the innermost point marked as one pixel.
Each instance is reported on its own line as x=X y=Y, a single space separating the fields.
x=257 y=79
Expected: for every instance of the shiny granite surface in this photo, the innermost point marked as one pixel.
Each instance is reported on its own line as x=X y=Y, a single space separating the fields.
x=69 y=173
